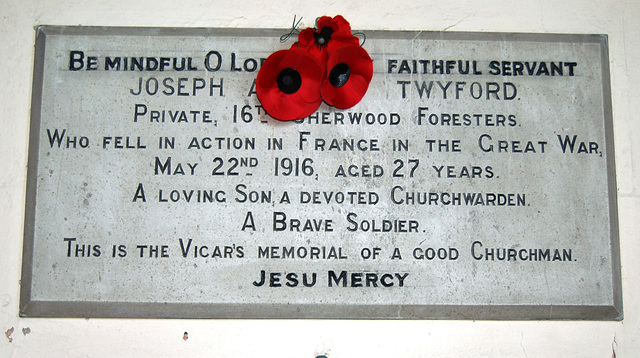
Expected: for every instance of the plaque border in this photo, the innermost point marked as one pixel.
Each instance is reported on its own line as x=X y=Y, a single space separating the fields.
x=113 y=309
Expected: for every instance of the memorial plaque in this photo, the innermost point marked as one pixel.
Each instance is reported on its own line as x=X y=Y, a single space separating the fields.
x=475 y=180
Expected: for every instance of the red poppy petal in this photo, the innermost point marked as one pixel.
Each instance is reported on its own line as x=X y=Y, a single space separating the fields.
x=358 y=86
x=346 y=96
x=356 y=57
x=325 y=21
x=361 y=72
x=341 y=33
x=304 y=100
x=320 y=54
x=270 y=69
x=338 y=24
x=310 y=89
x=283 y=106
x=342 y=41
x=306 y=38
x=310 y=71
x=340 y=36
x=328 y=92
x=342 y=23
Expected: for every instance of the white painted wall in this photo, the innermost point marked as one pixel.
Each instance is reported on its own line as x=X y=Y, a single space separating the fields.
x=308 y=338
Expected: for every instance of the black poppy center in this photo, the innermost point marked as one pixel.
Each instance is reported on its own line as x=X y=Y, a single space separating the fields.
x=339 y=75
x=324 y=36
x=289 y=81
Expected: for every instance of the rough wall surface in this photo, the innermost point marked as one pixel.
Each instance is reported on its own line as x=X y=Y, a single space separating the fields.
x=307 y=338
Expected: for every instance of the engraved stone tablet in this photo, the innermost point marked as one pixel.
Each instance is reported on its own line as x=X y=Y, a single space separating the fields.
x=475 y=180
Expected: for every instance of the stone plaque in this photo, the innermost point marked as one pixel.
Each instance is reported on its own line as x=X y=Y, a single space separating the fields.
x=475 y=180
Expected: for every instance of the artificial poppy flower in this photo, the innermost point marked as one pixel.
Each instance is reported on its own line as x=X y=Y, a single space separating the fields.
x=288 y=84
x=349 y=71
x=332 y=34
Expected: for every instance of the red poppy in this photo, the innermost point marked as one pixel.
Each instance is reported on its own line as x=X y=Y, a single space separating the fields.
x=288 y=84
x=332 y=33
x=349 y=71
